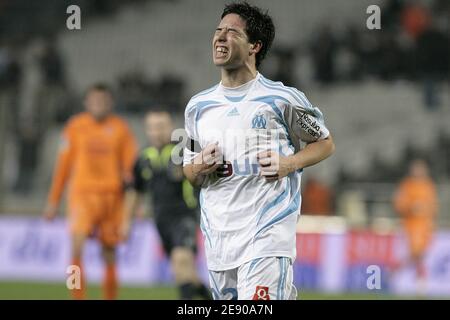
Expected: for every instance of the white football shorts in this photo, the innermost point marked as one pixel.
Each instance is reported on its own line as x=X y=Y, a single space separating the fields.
x=267 y=278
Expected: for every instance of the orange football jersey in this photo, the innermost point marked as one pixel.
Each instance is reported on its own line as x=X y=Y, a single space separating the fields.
x=94 y=156
x=416 y=199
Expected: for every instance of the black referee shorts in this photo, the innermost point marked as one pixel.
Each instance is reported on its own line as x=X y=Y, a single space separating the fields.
x=177 y=231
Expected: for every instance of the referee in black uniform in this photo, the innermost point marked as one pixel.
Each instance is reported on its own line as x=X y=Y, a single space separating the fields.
x=174 y=203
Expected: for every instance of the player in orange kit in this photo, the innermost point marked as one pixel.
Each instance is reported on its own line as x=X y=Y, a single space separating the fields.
x=96 y=157
x=416 y=202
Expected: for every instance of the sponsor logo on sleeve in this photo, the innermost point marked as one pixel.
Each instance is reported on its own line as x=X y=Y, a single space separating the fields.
x=309 y=125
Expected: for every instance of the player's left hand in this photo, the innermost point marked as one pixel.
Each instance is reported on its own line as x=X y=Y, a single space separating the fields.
x=273 y=166
x=124 y=230
x=50 y=212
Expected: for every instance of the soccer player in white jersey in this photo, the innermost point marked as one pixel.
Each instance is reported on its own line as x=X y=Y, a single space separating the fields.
x=249 y=139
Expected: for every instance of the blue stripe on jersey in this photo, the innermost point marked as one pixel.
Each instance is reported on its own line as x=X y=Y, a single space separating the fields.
x=280 y=150
x=276 y=201
x=270 y=100
x=289 y=145
x=293 y=207
x=202 y=106
x=297 y=95
x=201 y=205
x=202 y=227
x=205 y=216
x=235 y=99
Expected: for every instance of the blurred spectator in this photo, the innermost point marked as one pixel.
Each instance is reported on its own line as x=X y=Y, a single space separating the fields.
x=43 y=93
x=52 y=65
x=104 y=7
x=391 y=13
x=170 y=92
x=415 y=18
x=29 y=145
x=416 y=202
x=352 y=205
x=10 y=78
x=390 y=57
x=432 y=63
x=317 y=198
x=135 y=92
x=323 y=50
x=441 y=6
x=286 y=60
x=352 y=42
x=52 y=93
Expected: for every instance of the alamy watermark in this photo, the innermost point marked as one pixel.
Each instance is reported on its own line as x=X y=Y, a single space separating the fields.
x=373 y=22
x=73 y=21
x=73 y=281
x=374 y=277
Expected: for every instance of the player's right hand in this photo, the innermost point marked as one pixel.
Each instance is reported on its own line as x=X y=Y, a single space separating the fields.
x=50 y=212
x=208 y=160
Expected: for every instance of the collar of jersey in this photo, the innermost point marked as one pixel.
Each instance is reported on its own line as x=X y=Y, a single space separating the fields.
x=238 y=93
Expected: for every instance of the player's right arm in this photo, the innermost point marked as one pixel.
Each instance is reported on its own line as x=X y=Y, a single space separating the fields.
x=197 y=162
x=205 y=162
x=61 y=173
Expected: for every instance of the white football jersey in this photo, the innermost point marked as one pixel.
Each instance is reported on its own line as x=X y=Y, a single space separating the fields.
x=243 y=216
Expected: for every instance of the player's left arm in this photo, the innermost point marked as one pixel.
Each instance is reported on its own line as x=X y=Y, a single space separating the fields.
x=303 y=124
x=313 y=153
x=64 y=163
x=275 y=166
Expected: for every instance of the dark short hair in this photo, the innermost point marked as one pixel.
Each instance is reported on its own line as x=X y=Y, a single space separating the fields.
x=99 y=87
x=158 y=109
x=258 y=25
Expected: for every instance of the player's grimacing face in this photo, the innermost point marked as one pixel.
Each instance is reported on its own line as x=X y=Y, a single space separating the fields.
x=230 y=42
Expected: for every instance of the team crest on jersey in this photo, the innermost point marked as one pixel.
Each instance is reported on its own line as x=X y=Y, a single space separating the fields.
x=259 y=121
x=261 y=293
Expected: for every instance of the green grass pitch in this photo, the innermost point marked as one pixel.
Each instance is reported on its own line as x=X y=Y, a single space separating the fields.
x=12 y=290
